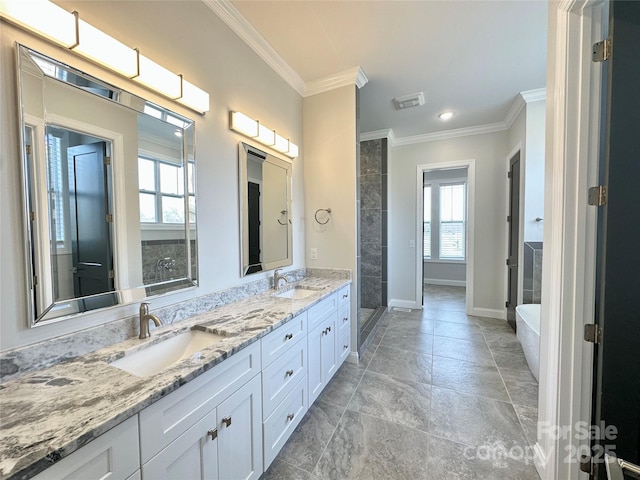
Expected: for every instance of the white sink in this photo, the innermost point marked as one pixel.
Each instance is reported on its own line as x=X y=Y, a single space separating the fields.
x=159 y=356
x=297 y=293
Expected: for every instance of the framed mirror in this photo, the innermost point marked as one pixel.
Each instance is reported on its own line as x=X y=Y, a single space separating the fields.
x=265 y=210
x=109 y=192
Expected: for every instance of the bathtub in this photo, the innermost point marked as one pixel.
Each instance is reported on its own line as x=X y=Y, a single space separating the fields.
x=528 y=332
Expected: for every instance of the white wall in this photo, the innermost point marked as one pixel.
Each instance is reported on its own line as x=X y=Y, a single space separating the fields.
x=187 y=38
x=489 y=151
x=330 y=182
x=534 y=171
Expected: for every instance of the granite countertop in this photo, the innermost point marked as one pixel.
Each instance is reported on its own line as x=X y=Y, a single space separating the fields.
x=47 y=415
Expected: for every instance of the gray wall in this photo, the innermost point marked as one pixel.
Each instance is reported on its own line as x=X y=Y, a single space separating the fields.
x=373 y=223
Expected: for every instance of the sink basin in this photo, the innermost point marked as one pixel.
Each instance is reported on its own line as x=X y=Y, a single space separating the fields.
x=297 y=293
x=159 y=356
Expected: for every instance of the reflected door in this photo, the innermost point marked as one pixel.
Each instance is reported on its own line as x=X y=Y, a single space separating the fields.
x=90 y=226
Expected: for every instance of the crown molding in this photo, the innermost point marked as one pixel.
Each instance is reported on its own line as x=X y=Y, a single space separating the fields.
x=353 y=76
x=454 y=133
x=375 y=135
x=534 y=95
x=516 y=107
x=247 y=32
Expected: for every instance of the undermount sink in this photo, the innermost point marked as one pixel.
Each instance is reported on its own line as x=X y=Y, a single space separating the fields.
x=297 y=293
x=157 y=357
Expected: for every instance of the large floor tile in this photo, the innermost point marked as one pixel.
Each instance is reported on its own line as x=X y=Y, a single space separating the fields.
x=474 y=421
x=342 y=385
x=398 y=401
x=309 y=439
x=475 y=352
x=415 y=367
x=365 y=447
x=458 y=330
x=411 y=326
x=418 y=342
x=522 y=393
x=529 y=420
x=468 y=377
x=444 y=315
x=280 y=470
x=454 y=461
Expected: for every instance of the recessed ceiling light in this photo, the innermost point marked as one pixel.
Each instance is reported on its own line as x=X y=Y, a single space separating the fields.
x=445 y=116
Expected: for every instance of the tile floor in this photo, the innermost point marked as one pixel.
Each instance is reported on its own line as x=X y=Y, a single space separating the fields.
x=438 y=395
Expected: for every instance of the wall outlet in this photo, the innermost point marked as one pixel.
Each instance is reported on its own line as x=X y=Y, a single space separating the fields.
x=314 y=254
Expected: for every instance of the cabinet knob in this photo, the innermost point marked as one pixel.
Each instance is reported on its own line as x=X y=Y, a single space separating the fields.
x=288 y=336
x=290 y=416
x=328 y=329
x=227 y=421
x=213 y=433
x=345 y=295
x=345 y=319
x=288 y=373
x=346 y=346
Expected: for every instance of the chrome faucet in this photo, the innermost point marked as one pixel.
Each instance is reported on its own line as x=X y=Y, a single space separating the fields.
x=145 y=316
x=277 y=276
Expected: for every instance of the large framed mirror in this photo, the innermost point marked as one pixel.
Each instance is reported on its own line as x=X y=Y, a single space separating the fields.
x=265 y=210
x=109 y=192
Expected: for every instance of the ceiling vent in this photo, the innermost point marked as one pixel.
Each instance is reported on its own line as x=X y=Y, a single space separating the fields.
x=409 y=101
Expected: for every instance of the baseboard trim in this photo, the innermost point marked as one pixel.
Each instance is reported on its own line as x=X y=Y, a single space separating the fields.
x=489 y=313
x=405 y=304
x=353 y=358
x=446 y=283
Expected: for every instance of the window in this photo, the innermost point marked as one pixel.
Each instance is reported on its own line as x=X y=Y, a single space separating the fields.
x=444 y=222
x=452 y=221
x=161 y=187
x=56 y=189
x=426 y=228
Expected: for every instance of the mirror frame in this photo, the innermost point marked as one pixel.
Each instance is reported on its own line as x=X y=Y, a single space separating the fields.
x=244 y=149
x=33 y=247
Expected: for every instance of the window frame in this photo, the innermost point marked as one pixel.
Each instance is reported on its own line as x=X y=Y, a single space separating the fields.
x=435 y=219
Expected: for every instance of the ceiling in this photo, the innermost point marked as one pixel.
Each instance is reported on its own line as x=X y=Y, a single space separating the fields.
x=471 y=57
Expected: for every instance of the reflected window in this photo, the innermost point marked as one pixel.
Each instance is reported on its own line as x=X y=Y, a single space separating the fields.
x=57 y=189
x=162 y=192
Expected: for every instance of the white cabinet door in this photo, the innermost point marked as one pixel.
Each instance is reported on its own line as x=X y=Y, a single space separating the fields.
x=113 y=456
x=193 y=455
x=240 y=434
x=321 y=351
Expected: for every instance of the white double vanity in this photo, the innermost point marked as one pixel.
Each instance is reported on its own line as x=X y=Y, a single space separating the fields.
x=223 y=413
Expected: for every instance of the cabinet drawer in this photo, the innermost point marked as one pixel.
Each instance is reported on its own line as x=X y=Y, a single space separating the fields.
x=344 y=344
x=281 y=376
x=114 y=455
x=320 y=311
x=344 y=294
x=278 y=427
x=283 y=338
x=344 y=316
x=168 y=418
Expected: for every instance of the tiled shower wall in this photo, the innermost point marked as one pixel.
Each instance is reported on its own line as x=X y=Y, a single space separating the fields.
x=165 y=260
x=373 y=223
x=532 y=275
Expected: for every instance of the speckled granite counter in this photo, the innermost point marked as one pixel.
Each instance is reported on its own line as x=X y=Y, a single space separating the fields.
x=46 y=415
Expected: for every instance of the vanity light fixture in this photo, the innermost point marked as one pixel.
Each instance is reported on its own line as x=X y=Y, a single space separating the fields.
x=251 y=128
x=67 y=29
x=444 y=116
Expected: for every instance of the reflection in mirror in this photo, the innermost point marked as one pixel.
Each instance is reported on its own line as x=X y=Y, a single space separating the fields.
x=265 y=206
x=109 y=192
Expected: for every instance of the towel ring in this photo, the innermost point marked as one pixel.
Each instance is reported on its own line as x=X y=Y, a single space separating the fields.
x=283 y=212
x=327 y=210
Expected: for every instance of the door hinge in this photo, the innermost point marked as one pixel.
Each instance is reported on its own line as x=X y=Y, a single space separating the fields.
x=602 y=50
x=592 y=333
x=35 y=280
x=107 y=160
x=32 y=216
x=508 y=218
x=507 y=304
x=509 y=174
x=598 y=196
x=111 y=274
x=109 y=218
x=28 y=149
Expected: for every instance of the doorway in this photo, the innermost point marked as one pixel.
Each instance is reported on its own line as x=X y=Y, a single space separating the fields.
x=469 y=221
x=513 y=229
